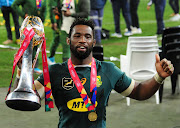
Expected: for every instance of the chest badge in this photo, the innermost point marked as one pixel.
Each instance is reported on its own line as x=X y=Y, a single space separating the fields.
x=67 y=83
x=99 y=82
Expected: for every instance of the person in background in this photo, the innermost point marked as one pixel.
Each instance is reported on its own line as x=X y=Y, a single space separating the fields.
x=96 y=14
x=35 y=8
x=124 y=5
x=62 y=14
x=159 y=11
x=134 y=16
x=6 y=9
x=82 y=85
x=175 y=7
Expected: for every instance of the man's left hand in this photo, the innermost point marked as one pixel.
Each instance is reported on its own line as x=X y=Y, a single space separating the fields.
x=67 y=13
x=164 y=67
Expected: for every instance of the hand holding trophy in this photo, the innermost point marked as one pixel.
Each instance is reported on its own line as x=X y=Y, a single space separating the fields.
x=23 y=97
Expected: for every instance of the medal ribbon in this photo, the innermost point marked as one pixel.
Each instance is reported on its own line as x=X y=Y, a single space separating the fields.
x=68 y=3
x=28 y=36
x=90 y=103
x=48 y=92
x=38 y=3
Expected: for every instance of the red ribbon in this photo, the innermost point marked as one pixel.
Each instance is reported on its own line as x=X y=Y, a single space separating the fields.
x=90 y=104
x=28 y=36
x=48 y=92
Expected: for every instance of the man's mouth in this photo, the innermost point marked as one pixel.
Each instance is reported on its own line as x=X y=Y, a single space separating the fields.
x=81 y=48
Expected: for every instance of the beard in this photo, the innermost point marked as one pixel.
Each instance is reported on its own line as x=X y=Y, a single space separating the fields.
x=81 y=55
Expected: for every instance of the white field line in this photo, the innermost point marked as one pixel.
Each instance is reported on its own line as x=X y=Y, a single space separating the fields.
x=141 y=22
x=122 y=22
x=60 y=53
x=15 y=48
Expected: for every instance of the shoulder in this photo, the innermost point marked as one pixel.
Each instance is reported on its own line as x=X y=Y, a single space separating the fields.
x=58 y=66
x=105 y=64
x=107 y=67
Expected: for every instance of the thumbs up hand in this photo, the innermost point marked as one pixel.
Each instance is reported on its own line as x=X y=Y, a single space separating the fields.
x=164 y=67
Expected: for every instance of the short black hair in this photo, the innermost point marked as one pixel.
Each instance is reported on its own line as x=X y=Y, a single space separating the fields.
x=81 y=21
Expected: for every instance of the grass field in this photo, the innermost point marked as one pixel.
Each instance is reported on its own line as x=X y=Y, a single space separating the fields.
x=112 y=47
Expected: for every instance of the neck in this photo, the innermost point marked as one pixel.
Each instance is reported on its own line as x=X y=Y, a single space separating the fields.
x=77 y=61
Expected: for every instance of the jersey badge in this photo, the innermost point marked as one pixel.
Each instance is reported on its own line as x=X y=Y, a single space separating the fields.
x=67 y=83
x=99 y=82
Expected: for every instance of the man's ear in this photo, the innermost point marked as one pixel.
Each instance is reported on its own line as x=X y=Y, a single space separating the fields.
x=94 y=42
x=68 y=41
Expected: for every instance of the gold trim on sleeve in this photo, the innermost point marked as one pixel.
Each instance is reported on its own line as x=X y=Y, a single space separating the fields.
x=129 y=89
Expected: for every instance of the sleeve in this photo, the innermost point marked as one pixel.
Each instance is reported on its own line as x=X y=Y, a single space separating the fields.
x=83 y=9
x=41 y=77
x=120 y=81
x=16 y=8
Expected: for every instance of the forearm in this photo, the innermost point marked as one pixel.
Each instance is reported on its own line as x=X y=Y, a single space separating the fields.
x=40 y=89
x=146 y=89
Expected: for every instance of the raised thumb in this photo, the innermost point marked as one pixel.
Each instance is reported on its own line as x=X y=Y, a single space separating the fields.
x=157 y=58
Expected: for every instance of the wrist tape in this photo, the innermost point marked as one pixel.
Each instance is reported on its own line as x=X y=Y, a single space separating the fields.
x=158 y=78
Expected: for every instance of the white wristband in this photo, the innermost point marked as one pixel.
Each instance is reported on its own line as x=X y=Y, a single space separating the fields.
x=158 y=79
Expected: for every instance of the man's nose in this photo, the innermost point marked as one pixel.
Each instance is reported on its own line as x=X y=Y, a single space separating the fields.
x=83 y=39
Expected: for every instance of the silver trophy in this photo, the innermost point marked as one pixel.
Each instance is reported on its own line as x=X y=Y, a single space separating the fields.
x=23 y=97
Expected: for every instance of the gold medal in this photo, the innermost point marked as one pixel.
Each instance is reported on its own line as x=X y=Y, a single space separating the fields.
x=92 y=116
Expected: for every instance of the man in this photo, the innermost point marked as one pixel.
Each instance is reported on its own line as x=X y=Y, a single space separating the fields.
x=6 y=9
x=175 y=7
x=96 y=14
x=123 y=5
x=62 y=14
x=94 y=78
x=31 y=7
x=159 y=10
x=134 y=16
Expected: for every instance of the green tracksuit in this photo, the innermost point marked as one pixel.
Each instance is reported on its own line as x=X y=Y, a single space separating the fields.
x=29 y=7
x=82 y=9
x=72 y=110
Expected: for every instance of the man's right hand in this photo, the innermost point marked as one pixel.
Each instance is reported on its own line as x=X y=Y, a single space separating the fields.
x=54 y=26
x=55 y=11
x=26 y=15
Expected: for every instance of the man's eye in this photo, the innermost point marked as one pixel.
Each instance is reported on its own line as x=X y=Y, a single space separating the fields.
x=76 y=35
x=88 y=36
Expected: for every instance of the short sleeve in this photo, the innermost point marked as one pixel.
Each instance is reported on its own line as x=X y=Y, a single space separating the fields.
x=120 y=82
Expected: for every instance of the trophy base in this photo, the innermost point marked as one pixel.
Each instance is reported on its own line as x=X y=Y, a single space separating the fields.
x=23 y=101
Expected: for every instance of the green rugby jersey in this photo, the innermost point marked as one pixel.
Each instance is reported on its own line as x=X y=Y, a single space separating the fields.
x=72 y=110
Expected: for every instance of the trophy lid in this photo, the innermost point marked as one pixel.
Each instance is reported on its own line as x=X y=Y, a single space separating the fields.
x=37 y=25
